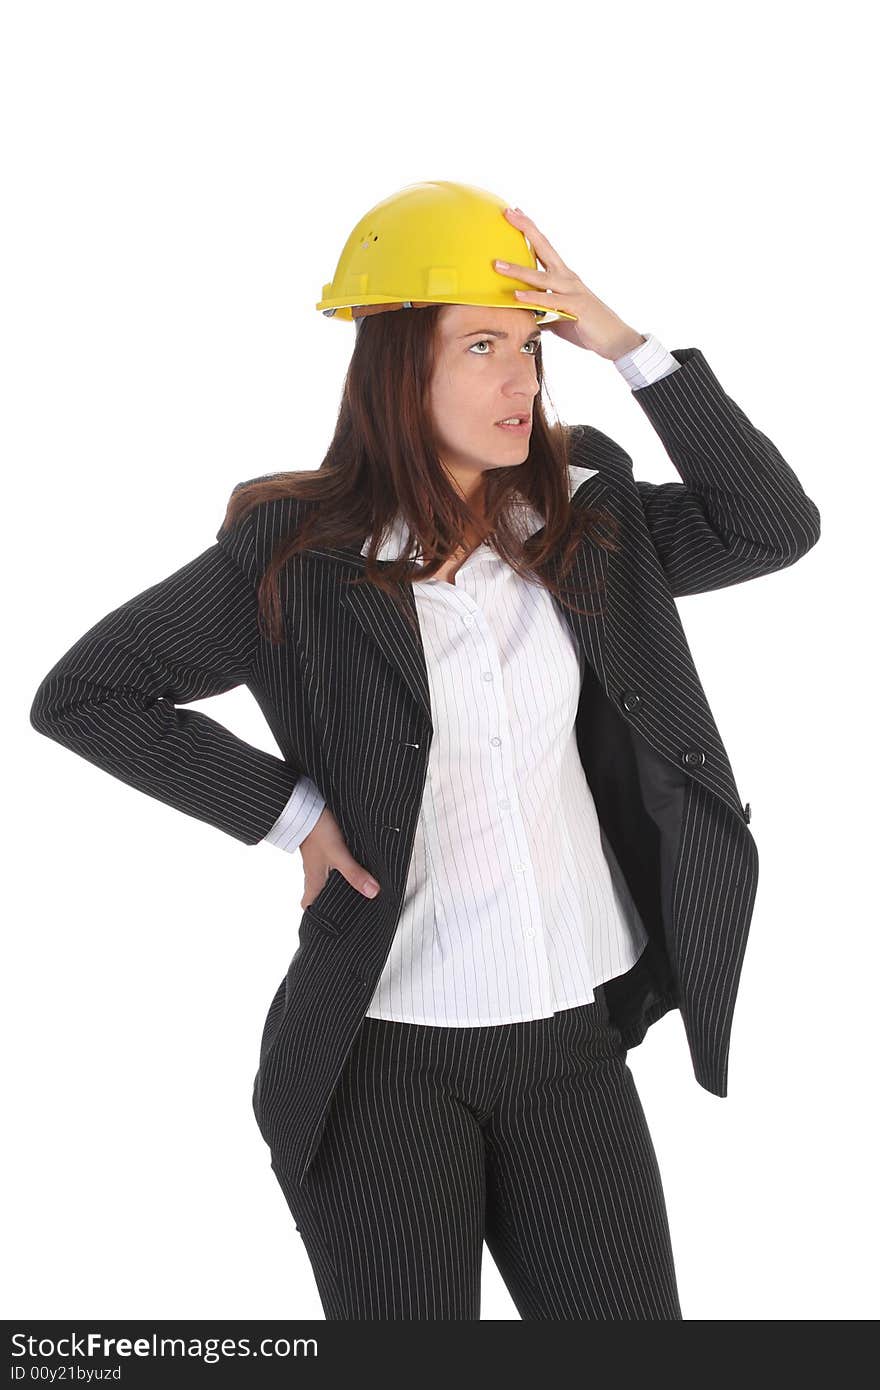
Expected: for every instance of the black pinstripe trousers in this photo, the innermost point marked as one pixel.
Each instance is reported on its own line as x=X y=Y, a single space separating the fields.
x=528 y=1136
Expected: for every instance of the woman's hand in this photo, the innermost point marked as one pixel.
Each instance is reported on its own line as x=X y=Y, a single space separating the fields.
x=324 y=849
x=597 y=328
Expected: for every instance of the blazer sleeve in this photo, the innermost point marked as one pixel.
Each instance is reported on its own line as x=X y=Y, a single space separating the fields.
x=114 y=697
x=740 y=512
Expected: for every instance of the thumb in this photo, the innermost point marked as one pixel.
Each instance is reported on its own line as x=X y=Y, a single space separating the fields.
x=357 y=876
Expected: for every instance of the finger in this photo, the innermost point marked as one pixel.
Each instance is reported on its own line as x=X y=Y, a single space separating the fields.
x=532 y=299
x=358 y=876
x=542 y=247
x=512 y=271
x=540 y=278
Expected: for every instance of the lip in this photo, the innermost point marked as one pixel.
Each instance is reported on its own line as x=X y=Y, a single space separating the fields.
x=515 y=429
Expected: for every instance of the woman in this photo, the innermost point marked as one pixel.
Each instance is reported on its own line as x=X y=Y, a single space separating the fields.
x=522 y=839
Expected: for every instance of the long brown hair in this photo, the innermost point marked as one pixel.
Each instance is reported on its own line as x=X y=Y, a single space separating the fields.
x=382 y=460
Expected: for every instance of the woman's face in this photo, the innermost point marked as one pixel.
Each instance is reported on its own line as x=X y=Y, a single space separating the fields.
x=485 y=372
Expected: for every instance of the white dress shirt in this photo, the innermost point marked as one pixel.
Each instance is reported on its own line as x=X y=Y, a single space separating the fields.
x=515 y=906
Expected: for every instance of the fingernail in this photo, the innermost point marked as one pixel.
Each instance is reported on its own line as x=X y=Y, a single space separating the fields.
x=371 y=888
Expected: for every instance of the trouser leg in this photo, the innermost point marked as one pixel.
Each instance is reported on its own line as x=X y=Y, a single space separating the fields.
x=392 y=1207
x=529 y=1135
x=576 y=1219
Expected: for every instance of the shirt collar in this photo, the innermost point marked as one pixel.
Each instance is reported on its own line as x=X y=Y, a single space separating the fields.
x=530 y=520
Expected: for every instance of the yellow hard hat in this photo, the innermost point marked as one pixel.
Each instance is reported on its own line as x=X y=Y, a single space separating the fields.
x=431 y=243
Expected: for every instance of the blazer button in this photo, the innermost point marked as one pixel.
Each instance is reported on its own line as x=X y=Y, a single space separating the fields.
x=693 y=757
x=747 y=812
x=631 y=700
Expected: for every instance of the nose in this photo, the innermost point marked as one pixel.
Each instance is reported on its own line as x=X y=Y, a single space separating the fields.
x=523 y=392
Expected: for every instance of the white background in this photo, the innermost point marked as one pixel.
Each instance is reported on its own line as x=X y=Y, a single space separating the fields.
x=179 y=181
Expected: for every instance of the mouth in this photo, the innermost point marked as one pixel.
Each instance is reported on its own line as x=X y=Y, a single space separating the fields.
x=521 y=424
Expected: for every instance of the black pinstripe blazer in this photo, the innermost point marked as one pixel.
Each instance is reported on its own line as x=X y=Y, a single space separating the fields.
x=347 y=699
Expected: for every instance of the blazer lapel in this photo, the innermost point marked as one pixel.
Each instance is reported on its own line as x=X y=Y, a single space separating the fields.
x=401 y=646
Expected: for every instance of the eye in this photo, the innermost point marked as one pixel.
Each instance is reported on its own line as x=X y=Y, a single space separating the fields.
x=530 y=342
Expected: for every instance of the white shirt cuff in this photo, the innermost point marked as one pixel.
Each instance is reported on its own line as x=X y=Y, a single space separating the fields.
x=646 y=363
x=298 y=818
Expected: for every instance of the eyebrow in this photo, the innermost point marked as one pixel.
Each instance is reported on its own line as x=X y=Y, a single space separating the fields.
x=495 y=333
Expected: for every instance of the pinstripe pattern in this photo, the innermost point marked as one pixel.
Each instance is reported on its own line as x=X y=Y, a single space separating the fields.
x=348 y=701
x=512 y=909
x=647 y=362
x=113 y=697
x=528 y=1136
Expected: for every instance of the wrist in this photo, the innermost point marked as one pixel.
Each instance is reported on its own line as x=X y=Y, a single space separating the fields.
x=625 y=341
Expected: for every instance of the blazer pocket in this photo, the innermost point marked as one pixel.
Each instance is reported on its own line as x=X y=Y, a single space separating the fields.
x=338 y=905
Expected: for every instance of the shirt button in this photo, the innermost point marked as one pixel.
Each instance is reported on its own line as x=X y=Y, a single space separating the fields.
x=519 y=867
x=487 y=675
x=505 y=804
x=496 y=740
x=530 y=931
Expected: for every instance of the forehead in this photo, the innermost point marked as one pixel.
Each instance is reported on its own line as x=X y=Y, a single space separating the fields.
x=460 y=320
